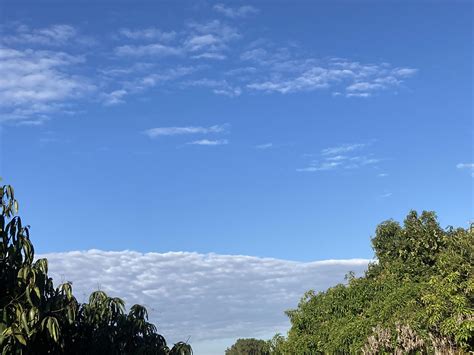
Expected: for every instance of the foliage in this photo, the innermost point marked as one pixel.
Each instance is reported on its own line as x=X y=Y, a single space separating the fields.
x=249 y=346
x=418 y=297
x=276 y=344
x=38 y=318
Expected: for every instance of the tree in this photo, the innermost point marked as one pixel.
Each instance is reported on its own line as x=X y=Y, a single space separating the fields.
x=38 y=318
x=249 y=346
x=418 y=297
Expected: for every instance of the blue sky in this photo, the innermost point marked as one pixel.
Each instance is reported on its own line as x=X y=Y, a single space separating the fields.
x=285 y=130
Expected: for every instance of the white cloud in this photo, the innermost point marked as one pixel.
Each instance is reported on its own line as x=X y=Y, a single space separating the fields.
x=287 y=74
x=337 y=158
x=364 y=86
x=207 y=41
x=210 y=142
x=173 y=131
x=386 y=195
x=315 y=78
x=466 y=166
x=202 y=40
x=358 y=161
x=345 y=148
x=242 y=11
x=230 y=92
x=154 y=79
x=359 y=94
x=219 y=87
x=241 y=71
x=150 y=33
x=405 y=72
x=340 y=157
x=257 y=55
x=115 y=97
x=50 y=82
x=54 y=35
x=155 y=50
x=315 y=166
x=143 y=78
x=37 y=83
x=208 y=297
x=210 y=55
x=264 y=146
x=222 y=31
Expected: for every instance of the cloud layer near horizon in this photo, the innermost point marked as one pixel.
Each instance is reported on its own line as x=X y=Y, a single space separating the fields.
x=207 y=297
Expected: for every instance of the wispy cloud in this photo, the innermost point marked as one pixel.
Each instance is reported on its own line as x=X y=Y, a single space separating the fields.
x=145 y=77
x=344 y=148
x=36 y=83
x=173 y=131
x=357 y=80
x=315 y=166
x=210 y=55
x=209 y=142
x=466 y=166
x=242 y=11
x=115 y=97
x=405 y=72
x=208 y=40
x=340 y=157
x=213 y=55
x=219 y=87
x=386 y=195
x=155 y=49
x=150 y=33
x=54 y=35
x=227 y=295
x=264 y=146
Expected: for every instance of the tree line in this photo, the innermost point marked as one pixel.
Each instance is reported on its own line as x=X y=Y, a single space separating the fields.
x=417 y=298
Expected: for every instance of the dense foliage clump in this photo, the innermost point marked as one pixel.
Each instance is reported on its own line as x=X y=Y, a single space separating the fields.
x=38 y=318
x=250 y=346
x=416 y=298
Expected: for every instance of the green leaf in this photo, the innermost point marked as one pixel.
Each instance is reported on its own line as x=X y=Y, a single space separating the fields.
x=20 y=338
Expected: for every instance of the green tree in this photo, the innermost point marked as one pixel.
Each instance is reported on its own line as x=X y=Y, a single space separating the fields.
x=418 y=297
x=249 y=346
x=38 y=318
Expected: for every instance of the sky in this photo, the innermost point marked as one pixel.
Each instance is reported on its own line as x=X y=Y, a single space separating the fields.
x=279 y=131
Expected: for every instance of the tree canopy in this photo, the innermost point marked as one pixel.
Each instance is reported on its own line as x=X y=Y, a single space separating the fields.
x=416 y=298
x=38 y=318
x=250 y=346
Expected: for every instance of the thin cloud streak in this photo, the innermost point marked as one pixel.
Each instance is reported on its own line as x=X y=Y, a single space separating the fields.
x=54 y=35
x=209 y=142
x=242 y=11
x=264 y=146
x=150 y=33
x=173 y=131
x=340 y=157
x=345 y=148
